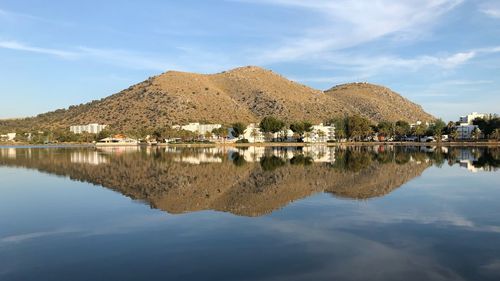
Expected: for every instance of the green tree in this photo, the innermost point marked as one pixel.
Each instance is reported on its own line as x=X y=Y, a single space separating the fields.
x=495 y=134
x=419 y=130
x=476 y=134
x=340 y=127
x=221 y=132
x=385 y=128
x=402 y=128
x=238 y=129
x=437 y=129
x=300 y=128
x=450 y=127
x=358 y=128
x=270 y=124
x=488 y=125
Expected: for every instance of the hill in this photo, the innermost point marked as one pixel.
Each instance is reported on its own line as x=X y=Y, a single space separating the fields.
x=378 y=102
x=244 y=94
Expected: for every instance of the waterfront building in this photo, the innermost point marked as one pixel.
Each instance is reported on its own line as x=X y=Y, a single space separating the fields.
x=253 y=133
x=320 y=133
x=465 y=131
x=467 y=119
x=90 y=128
x=118 y=140
x=198 y=128
x=8 y=137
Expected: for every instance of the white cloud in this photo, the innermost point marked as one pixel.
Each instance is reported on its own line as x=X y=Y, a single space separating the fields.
x=351 y=23
x=200 y=61
x=366 y=66
x=490 y=8
x=14 y=45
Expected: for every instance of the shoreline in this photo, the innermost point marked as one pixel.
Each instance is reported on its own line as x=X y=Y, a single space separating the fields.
x=266 y=144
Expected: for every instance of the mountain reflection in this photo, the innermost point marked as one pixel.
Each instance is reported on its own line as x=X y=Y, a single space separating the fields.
x=250 y=181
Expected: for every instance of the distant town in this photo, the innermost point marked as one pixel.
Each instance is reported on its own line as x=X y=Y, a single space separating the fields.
x=471 y=127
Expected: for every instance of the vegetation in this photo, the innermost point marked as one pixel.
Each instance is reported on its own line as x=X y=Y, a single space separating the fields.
x=358 y=128
x=351 y=128
x=437 y=129
x=271 y=125
x=300 y=128
x=238 y=129
x=488 y=126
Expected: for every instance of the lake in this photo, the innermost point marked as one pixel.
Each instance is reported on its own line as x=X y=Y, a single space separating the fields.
x=256 y=213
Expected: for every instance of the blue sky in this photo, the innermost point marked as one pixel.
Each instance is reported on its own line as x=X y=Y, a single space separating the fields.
x=442 y=54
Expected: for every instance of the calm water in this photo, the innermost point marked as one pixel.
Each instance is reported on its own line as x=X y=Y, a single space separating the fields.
x=317 y=213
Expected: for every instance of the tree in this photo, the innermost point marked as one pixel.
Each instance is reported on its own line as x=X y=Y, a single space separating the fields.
x=220 y=132
x=402 y=128
x=450 y=127
x=495 y=134
x=270 y=124
x=238 y=129
x=454 y=134
x=385 y=128
x=476 y=134
x=358 y=128
x=487 y=125
x=208 y=135
x=321 y=134
x=254 y=133
x=419 y=130
x=340 y=127
x=437 y=129
x=300 y=128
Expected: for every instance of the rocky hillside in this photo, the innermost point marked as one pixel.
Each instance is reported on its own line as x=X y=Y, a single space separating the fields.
x=244 y=94
x=378 y=102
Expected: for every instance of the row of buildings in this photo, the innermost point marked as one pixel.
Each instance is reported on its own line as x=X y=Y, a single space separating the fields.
x=90 y=128
x=252 y=133
x=318 y=134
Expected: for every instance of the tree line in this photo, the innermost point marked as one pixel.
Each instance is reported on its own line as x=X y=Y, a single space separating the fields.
x=348 y=128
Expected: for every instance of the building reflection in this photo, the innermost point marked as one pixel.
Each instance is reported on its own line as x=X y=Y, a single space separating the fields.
x=249 y=181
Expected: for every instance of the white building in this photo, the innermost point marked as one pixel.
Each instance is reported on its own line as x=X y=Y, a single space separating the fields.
x=201 y=129
x=465 y=130
x=469 y=118
x=418 y=123
x=90 y=128
x=253 y=134
x=8 y=137
x=321 y=133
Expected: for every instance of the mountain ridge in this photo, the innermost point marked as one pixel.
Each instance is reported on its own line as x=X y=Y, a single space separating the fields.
x=245 y=94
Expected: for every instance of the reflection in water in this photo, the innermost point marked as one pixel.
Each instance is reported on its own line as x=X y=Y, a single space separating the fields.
x=442 y=226
x=245 y=181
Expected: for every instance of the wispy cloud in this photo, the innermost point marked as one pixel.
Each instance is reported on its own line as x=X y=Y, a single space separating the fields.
x=14 y=45
x=351 y=23
x=184 y=58
x=370 y=65
x=490 y=8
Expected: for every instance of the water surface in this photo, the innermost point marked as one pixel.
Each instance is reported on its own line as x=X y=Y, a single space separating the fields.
x=312 y=213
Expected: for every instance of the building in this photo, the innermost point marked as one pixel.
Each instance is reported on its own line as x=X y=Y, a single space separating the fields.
x=198 y=128
x=117 y=140
x=469 y=118
x=418 y=123
x=253 y=134
x=321 y=133
x=464 y=131
x=90 y=128
x=8 y=137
